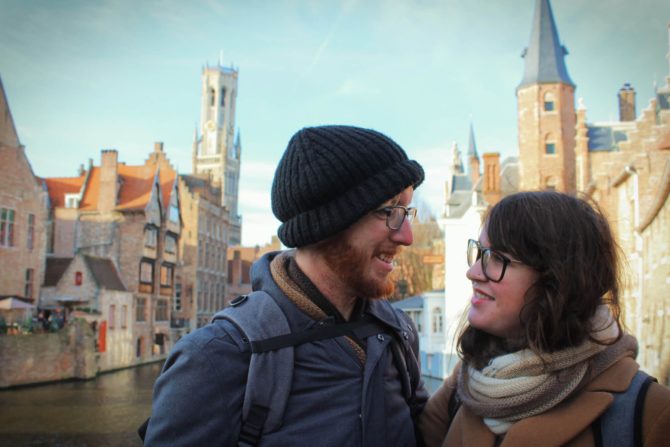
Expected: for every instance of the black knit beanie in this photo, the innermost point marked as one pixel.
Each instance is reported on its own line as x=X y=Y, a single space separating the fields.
x=330 y=176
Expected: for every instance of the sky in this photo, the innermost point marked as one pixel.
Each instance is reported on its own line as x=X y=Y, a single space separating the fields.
x=82 y=76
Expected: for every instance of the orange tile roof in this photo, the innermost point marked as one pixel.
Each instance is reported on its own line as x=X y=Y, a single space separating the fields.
x=59 y=186
x=136 y=183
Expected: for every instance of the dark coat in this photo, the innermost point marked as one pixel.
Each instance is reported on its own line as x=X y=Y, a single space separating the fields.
x=334 y=400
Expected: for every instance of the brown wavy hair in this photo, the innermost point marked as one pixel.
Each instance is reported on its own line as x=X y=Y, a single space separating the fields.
x=568 y=240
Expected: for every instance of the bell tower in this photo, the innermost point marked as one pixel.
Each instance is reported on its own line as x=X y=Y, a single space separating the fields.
x=546 y=109
x=216 y=149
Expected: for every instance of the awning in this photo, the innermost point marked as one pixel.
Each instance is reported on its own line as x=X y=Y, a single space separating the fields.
x=11 y=303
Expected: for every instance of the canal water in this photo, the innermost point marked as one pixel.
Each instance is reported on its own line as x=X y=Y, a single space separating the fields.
x=104 y=412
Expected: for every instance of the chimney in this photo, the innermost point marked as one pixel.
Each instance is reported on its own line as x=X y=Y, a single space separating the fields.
x=491 y=181
x=237 y=268
x=158 y=146
x=107 y=191
x=627 y=103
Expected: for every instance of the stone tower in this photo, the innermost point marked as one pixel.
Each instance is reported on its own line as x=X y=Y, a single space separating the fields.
x=217 y=148
x=546 y=109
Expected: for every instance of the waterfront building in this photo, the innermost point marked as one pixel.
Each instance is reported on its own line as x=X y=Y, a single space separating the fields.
x=203 y=246
x=93 y=285
x=23 y=215
x=217 y=148
x=129 y=215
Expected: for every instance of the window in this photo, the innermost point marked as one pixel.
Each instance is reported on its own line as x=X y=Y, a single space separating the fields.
x=78 y=278
x=223 y=96
x=549 y=144
x=161 y=310
x=71 y=200
x=28 y=291
x=150 y=236
x=437 y=320
x=166 y=275
x=170 y=244
x=6 y=227
x=212 y=97
x=177 y=296
x=146 y=272
x=112 y=315
x=31 y=231
x=124 y=316
x=549 y=102
x=174 y=213
x=140 y=310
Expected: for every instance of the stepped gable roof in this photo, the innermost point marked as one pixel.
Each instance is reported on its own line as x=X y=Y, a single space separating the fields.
x=59 y=186
x=544 y=56
x=55 y=268
x=8 y=135
x=104 y=273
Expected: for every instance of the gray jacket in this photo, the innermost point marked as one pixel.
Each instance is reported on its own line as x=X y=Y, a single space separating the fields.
x=333 y=402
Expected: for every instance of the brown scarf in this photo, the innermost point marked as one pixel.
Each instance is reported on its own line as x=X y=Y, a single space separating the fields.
x=278 y=269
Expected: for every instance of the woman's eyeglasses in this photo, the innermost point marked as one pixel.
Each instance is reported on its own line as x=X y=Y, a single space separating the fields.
x=395 y=215
x=494 y=264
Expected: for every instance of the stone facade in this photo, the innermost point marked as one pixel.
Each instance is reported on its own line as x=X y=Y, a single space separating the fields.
x=23 y=215
x=204 y=244
x=67 y=354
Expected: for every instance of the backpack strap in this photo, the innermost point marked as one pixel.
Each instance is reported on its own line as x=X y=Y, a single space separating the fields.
x=257 y=316
x=263 y=325
x=621 y=424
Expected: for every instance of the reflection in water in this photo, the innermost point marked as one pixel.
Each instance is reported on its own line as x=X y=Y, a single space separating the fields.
x=104 y=412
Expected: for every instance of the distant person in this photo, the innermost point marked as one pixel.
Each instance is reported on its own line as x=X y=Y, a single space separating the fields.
x=346 y=374
x=545 y=360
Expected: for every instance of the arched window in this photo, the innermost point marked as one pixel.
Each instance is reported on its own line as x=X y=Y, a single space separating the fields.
x=549 y=102
x=549 y=145
x=223 y=96
x=212 y=97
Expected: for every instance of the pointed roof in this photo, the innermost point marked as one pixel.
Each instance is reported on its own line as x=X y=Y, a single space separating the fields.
x=472 y=146
x=8 y=135
x=545 y=63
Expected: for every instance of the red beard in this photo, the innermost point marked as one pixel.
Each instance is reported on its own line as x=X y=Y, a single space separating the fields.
x=348 y=262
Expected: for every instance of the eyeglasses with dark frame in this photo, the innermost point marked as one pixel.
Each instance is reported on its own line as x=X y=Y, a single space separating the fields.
x=396 y=214
x=494 y=264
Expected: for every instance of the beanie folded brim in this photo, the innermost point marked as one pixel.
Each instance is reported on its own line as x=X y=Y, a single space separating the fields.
x=341 y=212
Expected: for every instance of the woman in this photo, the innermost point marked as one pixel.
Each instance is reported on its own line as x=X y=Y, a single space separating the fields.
x=543 y=351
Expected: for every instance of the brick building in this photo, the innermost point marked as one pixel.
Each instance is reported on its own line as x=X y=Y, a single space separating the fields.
x=131 y=216
x=23 y=214
x=203 y=244
x=624 y=165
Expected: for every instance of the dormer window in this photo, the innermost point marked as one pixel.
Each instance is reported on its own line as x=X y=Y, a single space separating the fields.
x=71 y=200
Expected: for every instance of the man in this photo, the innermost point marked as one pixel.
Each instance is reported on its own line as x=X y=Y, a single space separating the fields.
x=342 y=194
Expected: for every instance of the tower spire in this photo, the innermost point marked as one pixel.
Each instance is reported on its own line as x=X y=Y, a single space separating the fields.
x=472 y=146
x=544 y=56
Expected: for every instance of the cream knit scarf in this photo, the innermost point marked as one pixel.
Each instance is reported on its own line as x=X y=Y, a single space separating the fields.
x=521 y=384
